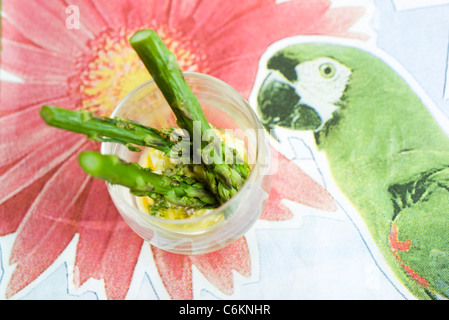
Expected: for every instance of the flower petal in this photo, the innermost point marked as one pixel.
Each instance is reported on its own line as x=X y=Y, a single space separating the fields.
x=222 y=13
x=49 y=225
x=338 y=22
x=274 y=210
x=177 y=280
x=107 y=248
x=14 y=209
x=37 y=163
x=217 y=266
x=148 y=13
x=30 y=62
x=97 y=222
x=124 y=248
x=91 y=22
x=11 y=33
x=17 y=96
x=291 y=183
x=45 y=25
x=239 y=45
x=51 y=208
x=23 y=131
x=298 y=15
x=180 y=16
x=230 y=71
x=114 y=12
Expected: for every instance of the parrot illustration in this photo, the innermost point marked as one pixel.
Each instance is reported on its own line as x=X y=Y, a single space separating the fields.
x=386 y=152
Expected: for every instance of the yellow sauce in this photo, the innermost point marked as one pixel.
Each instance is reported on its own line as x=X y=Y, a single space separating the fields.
x=158 y=162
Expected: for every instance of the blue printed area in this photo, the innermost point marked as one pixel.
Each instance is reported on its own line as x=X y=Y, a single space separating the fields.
x=327 y=260
x=419 y=40
x=55 y=287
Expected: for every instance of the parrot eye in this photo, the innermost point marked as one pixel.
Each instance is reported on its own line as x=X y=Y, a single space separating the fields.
x=327 y=70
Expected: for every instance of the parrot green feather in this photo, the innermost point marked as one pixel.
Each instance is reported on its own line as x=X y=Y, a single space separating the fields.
x=386 y=153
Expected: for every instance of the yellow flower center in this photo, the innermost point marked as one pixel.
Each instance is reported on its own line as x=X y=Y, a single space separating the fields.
x=115 y=70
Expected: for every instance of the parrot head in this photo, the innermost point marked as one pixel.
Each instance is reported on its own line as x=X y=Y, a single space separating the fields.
x=305 y=85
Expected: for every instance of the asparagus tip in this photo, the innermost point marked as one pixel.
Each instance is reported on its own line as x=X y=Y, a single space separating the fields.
x=90 y=161
x=142 y=35
x=46 y=114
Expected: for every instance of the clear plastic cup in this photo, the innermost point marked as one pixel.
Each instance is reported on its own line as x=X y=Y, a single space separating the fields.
x=224 y=108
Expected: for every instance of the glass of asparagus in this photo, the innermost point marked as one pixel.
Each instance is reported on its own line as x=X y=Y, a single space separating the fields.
x=185 y=158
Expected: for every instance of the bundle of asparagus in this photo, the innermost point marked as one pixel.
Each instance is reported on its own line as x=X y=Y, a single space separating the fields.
x=219 y=182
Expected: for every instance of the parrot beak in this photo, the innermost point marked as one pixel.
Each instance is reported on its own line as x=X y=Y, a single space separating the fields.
x=279 y=105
